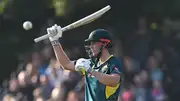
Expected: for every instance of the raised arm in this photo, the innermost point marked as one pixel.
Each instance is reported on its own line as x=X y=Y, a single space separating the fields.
x=61 y=56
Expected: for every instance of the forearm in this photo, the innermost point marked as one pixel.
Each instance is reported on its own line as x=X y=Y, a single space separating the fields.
x=62 y=57
x=110 y=80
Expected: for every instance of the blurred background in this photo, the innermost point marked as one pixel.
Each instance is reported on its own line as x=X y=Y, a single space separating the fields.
x=146 y=39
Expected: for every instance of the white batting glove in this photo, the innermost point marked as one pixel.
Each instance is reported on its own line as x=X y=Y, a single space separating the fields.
x=55 y=32
x=83 y=64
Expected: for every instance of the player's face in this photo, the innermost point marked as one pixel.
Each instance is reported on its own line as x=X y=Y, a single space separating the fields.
x=95 y=47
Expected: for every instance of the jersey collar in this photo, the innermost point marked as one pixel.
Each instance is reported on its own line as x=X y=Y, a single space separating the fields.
x=106 y=59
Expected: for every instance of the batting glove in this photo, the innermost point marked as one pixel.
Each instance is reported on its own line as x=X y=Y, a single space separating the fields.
x=83 y=64
x=55 y=32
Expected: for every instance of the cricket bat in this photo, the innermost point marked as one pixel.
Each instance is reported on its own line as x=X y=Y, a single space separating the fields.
x=83 y=21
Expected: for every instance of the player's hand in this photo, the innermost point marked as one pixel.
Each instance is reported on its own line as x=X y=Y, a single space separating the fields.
x=55 y=32
x=83 y=64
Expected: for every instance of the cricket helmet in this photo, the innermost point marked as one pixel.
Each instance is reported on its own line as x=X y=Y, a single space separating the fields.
x=100 y=35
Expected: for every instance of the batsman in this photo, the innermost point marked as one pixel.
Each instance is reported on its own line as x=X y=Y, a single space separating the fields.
x=103 y=71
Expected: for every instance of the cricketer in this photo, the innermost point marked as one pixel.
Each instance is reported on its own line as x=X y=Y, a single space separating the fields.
x=103 y=71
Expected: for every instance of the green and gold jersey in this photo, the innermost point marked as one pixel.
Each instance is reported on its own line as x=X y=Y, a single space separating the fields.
x=95 y=90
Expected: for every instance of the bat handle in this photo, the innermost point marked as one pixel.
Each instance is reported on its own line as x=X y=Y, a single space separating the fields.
x=41 y=38
x=47 y=36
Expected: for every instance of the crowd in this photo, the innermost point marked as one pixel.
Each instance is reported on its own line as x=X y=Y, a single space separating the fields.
x=150 y=58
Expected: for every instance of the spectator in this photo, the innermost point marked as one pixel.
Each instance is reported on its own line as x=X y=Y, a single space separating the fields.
x=38 y=62
x=127 y=95
x=26 y=88
x=32 y=73
x=45 y=86
x=47 y=54
x=40 y=99
x=155 y=71
x=140 y=90
x=72 y=96
x=131 y=67
x=58 y=94
x=55 y=73
x=157 y=91
x=9 y=98
x=13 y=86
x=38 y=92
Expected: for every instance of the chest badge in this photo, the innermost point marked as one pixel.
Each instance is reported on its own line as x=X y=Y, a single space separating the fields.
x=104 y=69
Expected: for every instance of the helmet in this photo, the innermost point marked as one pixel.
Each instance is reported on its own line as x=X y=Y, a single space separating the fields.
x=99 y=35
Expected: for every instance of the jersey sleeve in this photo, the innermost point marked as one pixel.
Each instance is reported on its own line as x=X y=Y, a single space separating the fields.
x=116 y=67
x=115 y=70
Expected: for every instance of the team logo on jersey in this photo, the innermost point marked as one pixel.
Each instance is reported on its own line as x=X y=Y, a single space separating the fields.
x=104 y=69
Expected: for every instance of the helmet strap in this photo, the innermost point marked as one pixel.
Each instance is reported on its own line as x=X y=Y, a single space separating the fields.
x=99 y=54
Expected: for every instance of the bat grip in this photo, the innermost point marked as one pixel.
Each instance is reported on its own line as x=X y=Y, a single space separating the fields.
x=47 y=36
x=41 y=38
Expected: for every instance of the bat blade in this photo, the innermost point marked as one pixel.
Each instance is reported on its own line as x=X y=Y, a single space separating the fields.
x=87 y=19
x=83 y=21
